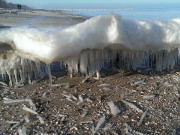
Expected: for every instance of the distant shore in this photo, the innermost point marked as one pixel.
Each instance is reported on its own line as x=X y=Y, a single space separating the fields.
x=37 y=18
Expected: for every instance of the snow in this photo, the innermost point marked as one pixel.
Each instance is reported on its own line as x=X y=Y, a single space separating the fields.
x=84 y=47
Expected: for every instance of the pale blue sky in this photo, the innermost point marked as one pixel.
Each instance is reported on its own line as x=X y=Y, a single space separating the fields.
x=58 y=4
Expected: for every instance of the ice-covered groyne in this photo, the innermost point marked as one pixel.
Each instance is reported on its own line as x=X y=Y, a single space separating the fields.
x=84 y=47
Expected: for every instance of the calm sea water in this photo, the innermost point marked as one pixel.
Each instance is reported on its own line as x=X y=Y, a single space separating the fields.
x=136 y=13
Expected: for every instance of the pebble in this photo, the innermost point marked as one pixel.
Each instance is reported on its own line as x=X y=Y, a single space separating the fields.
x=163 y=112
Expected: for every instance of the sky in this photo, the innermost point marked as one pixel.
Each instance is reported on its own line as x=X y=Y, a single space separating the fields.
x=76 y=4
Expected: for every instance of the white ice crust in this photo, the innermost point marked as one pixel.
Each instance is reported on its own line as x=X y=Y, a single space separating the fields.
x=50 y=44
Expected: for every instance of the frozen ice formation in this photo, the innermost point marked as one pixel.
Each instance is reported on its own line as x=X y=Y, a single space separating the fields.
x=85 y=47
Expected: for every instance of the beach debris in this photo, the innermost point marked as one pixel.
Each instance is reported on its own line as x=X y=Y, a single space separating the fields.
x=129 y=130
x=22 y=130
x=53 y=77
x=70 y=97
x=40 y=119
x=132 y=106
x=45 y=95
x=9 y=101
x=74 y=128
x=36 y=81
x=113 y=108
x=33 y=112
x=168 y=84
x=3 y=84
x=99 y=124
x=29 y=109
x=5 y=88
x=5 y=91
x=107 y=127
x=142 y=117
x=178 y=131
x=176 y=78
x=61 y=115
x=86 y=122
x=84 y=114
x=98 y=75
x=60 y=78
x=114 y=132
x=139 y=82
x=59 y=85
x=104 y=85
x=149 y=96
x=86 y=79
x=15 y=125
x=13 y=122
x=81 y=100
x=106 y=88
x=26 y=118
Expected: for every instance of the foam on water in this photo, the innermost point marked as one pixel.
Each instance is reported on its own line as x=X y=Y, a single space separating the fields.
x=86 y=41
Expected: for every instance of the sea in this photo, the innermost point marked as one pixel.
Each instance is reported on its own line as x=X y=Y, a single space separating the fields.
x=131 y=13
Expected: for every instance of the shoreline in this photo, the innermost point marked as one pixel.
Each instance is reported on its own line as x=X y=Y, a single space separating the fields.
x=37 y=18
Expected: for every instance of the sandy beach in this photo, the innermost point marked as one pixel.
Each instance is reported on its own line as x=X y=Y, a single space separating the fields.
x=121 y=102
x=15 y=17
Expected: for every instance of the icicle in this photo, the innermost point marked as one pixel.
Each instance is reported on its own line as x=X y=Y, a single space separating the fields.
x=10 y=79
x=50 y=76
x=98 y=75
x=16 y=79
x=29 y=79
